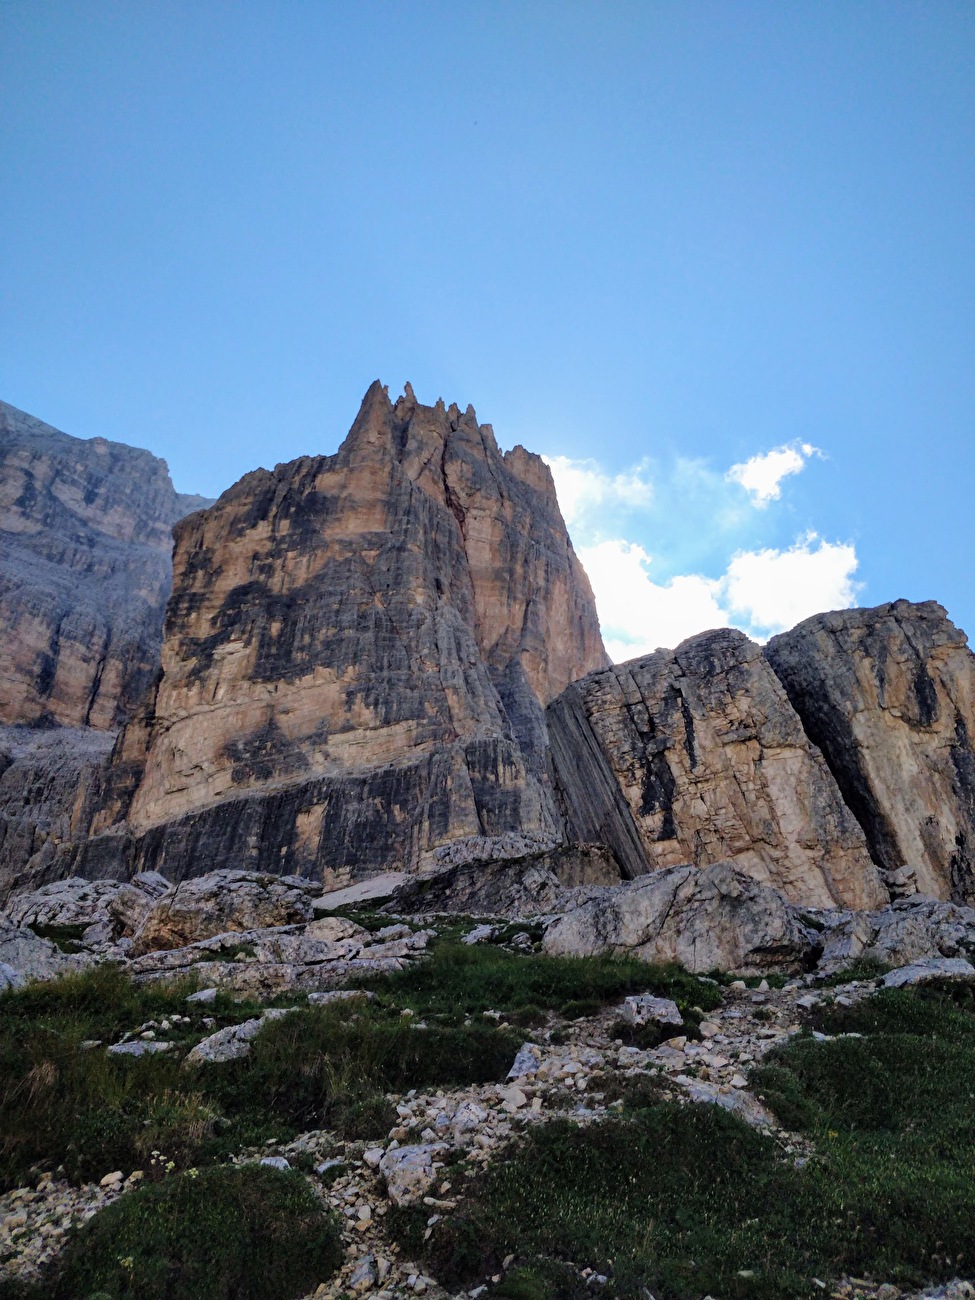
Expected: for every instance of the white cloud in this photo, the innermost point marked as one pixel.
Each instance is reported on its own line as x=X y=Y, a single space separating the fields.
x=774 y=590
x=583 y=487
x=761 y=476
x=762 y=592
x=700 y=522
x=638 y=615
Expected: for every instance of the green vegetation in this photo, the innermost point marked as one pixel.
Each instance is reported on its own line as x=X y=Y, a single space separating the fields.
x=686 y=1201
x=249 y=1233
x=64 y=1103
x=458 y=981
x=865 y=968
x=893 y=1113
x=65 y=937
x=315 y=1069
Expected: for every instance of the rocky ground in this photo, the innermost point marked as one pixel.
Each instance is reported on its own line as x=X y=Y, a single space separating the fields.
x=261 y=937
x=443 y=1137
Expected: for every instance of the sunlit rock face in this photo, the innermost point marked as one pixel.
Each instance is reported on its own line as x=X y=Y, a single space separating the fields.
x=888 y=695
x=85 y=545
x=357 y=654
x=696 y=755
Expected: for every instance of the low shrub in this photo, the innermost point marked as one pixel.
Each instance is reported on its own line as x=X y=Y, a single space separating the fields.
x=64 y=1103
x=675 y=1200
x=474 y=979
x=686 y=1201
x=246 y=1233
x=314 y=1069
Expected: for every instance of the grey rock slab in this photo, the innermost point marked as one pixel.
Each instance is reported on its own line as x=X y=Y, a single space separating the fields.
x=365 y=891
x=737 y=1101
x=204 y=996
x=233 y=1042
x=409 y=1171
x=934 y=968
x=480 y=934
x=325 y=997
x=142 y=1047
x=10 y=978
x=33 y=957
x=645 y=1009
x=710 y=918
x=526 y=1062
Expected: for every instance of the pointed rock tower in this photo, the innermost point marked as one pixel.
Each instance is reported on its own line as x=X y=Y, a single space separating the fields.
x=357 y=655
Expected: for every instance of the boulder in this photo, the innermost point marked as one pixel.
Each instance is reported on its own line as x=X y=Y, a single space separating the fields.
x=282 y=959
x=117 y=908
x=10 y=978
x=140 y=1047
x=710 y=918
x=34 y=958
x=932 y=969
x=645 y=1009
x=223 y=901
x=535 y=883
x=888 y=695
x=696 y=755
x=909 y=930
x=409 y=1171
x=231 y=1043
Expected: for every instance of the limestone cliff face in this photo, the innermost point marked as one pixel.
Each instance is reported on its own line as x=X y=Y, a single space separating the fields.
x=85 y=569
x=357 y=653
x=46 y=773
x=888 y=695
x=696 y=755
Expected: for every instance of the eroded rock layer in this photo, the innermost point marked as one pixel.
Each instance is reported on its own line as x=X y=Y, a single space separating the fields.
x=357 y=653
x=888 y=695
x=85 y=570
x=696 y=756
x=45 y=775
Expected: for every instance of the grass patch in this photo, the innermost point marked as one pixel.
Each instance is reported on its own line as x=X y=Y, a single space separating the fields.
x=314 y=1069
x=249 y=1233
x=893 y=1112
x=65 y=937
x=866 y=968
x=673 y=1199
x=460 y=980
x=688 y=1201
x=62 y=1103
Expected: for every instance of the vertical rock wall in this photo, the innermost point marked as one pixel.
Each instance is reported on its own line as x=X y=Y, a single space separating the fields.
x=696 y=755
x=357 y=653
x=85 y=570
x=888 y=695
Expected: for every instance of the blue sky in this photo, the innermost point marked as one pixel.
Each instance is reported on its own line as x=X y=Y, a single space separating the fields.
x=653 y=241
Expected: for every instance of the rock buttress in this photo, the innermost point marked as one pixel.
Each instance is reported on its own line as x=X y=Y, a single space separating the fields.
x=357 y=653
x=888 y=695
x=695 y=755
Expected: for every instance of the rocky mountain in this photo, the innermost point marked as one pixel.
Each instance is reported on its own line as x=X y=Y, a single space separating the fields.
x=388 y=660
x=85 y=571
x=357 y=655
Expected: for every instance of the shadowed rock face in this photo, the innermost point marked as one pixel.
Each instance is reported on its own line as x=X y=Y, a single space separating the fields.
x=45 y=775
x=357 y=653
x=888 y=695
x=85 y=569
x=696 y=755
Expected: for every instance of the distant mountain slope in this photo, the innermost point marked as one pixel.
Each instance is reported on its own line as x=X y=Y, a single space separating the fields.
x=85 y=572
